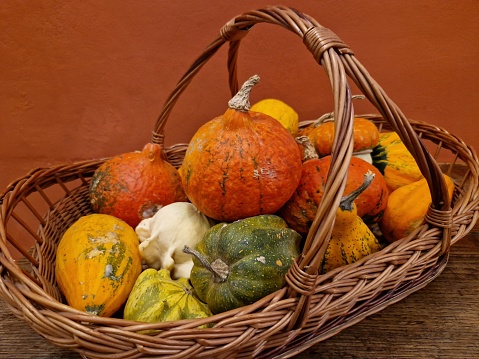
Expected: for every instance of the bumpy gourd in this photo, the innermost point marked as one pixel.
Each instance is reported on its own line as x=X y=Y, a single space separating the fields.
x=351 y=238
x=300 y=210
x=239 y=263
x=158 y=298
x=164 y=236
x=395 y=162
x=134 y=185
x=407 y=206
x=241 y=164
x=280 y=111
x=97 y=263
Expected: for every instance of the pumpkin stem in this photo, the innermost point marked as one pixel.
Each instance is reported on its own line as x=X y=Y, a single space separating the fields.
x=346 y=203
x=218 y=268
x=309 y=152
x=240 y=101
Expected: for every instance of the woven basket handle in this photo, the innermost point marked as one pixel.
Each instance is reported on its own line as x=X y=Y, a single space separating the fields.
x=339 y=63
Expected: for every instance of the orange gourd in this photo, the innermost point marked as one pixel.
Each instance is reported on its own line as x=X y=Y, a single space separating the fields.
x=240 y=164
x=133 y=186
x=301 y=208
x=407 y=206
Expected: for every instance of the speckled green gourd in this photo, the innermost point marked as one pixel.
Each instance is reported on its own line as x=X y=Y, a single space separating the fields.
x=156 y=297
x=250 y=258
x=351 y=238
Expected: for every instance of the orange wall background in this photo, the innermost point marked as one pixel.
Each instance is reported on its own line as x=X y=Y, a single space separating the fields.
x=87 y=79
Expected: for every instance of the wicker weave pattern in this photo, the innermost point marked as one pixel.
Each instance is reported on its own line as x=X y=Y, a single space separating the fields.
x=37 y=208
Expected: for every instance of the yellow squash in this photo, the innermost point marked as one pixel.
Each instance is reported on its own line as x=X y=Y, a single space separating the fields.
x=97 y=263
x=407 y=206
x=280 y=111
x=351 y=238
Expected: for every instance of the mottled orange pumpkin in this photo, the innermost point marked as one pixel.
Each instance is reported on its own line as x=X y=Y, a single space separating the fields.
x=365 y=133
x=240 y=164
x=301 y=208
x=134 y=185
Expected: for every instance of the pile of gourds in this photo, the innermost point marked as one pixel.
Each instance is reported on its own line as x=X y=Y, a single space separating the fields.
x=222 y=231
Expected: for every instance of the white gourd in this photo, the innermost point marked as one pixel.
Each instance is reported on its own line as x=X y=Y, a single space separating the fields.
x=163 y=237
x=364 y=155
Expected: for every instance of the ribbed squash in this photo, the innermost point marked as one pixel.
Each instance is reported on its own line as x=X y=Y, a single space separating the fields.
x=365 y=134
x=394 y=161
x=407 y=207
x=239 y=263
x=300 y=210
x=97 y=264
x=351 y=238
x=134 y=185
x=241 y=164
x=156 y=297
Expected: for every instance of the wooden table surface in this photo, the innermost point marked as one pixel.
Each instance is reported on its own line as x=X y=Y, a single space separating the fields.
x=438 y=321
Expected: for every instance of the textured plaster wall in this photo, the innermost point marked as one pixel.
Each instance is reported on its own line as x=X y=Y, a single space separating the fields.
x=87 y=79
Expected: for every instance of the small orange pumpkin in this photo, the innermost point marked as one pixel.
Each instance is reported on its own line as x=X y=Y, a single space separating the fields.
x=301 y=208
x=241 y=164
x=366 y=136
x=133 y=186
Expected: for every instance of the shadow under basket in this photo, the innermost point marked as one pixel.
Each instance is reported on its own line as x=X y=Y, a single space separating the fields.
x=37 y=208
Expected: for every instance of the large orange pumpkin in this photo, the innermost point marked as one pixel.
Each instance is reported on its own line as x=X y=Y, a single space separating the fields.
x=133 y=186
x=301 y=208
x=241 y=164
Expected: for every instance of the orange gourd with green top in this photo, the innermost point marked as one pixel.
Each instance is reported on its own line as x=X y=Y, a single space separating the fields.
x=394 y=161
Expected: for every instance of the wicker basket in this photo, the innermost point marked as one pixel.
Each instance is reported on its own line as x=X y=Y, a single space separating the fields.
x=37 y=208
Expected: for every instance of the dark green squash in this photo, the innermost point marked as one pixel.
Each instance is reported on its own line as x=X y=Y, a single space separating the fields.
x=239 y=263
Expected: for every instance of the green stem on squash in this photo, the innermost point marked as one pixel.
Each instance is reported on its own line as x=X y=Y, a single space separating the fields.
x=218 y=268
x=347 y=201
x=240 y=101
